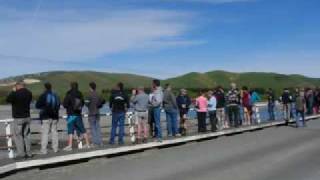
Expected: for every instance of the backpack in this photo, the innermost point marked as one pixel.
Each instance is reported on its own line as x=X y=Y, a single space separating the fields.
x=77 y=104
x=52 y=102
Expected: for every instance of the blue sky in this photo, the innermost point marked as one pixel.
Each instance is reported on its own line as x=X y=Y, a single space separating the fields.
x=160 y=38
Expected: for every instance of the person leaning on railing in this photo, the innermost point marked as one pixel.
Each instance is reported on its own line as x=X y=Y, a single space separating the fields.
x=233 y=105
x=183 y=102
x=20 y=99
x=171 y=109
x=140 y=101
x=119 y=104
x=74 y=103
x=94 y=103
x=300 y=104
x=221 y=103
x=271 y=104
x=49 y=105
x=202 y=109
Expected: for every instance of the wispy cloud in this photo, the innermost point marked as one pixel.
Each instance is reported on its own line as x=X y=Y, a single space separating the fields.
x=72 y=35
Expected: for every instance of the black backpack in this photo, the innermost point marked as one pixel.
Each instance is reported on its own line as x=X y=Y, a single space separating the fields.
x=77 y=104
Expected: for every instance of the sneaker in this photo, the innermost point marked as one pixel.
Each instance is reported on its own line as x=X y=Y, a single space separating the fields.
x=111 y=143
x=68 y=148
x=42 y=153
x=159 y=140
x=28 y=156
x=121 y=143
x=145 y=140
x=19 y=158
x=86 y=147
x=178 y=135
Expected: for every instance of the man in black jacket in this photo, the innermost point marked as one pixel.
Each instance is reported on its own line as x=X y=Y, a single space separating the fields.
x=119 y=103
x=49 y=105
x=74 y=103
x=20 y=99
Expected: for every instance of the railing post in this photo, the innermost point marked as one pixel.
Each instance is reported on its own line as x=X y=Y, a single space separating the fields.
x=257 y=111
x=9 y=140
x=131 y=123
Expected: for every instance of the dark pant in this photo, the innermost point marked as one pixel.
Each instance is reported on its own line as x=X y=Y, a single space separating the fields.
x=202 y=126
x=233 y=112
x=213 y=120
x=183 y=118
x=152 y=129
x=271 y=111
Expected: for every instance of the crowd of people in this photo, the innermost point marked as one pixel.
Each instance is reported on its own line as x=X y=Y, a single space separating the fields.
x=224 y=109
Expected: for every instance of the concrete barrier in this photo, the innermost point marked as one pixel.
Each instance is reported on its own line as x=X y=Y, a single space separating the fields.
x=16 y=166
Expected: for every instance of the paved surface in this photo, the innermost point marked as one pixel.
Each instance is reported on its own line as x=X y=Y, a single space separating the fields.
x=274 y=153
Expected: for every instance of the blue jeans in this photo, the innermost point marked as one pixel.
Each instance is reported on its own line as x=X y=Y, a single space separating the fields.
x=157 y=122
x=118 y=120
x=95 y=129
x=241 y=115
x=172 y=122
x=271 y=111
x=300 y=120
x=292 y=110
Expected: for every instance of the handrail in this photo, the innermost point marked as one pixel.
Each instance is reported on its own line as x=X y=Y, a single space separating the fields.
x=130 y=121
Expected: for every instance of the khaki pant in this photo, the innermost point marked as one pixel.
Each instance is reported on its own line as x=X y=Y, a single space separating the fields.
x=21 y=136
x=142 y=124
x=47 y=126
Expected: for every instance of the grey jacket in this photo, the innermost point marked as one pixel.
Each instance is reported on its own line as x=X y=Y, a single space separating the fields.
x=169 y=100
x=156 y=98
x=140 y=102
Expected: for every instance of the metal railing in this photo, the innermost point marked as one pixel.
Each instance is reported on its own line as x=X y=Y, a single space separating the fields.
x=130 y=123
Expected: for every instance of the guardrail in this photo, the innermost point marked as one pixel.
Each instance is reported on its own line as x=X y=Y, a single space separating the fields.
x=130 y=123
x=43 y=162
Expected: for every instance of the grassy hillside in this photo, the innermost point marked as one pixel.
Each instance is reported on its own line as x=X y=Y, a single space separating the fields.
x=192 y=81
x=61 y=81
x=252 y=80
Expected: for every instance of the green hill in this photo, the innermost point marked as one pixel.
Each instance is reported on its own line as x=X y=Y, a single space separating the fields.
x=251 y=79
x=192 y=81
x=61 y=81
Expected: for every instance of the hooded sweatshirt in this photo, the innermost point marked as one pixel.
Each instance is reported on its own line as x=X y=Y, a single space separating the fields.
x=70 y=101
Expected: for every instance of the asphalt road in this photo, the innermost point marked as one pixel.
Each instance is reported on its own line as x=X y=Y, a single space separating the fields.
x=279 y=153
